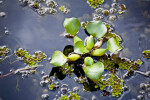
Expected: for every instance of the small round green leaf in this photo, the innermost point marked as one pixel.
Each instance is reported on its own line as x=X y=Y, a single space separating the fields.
x=98 y=52
x=96 y=28
x=88 y=61
x=58 y=58
x=95 y=71
x=90 y=42
x=74 y=57
x=113 y=45
x=80 y=48
x=72 y=25
x=76 y=39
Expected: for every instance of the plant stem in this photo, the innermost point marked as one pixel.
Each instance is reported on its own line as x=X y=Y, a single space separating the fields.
x=27 y=68
x=144 y=73
x=98 y=44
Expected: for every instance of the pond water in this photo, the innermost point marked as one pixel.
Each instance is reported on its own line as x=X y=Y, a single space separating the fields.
x=33 y=32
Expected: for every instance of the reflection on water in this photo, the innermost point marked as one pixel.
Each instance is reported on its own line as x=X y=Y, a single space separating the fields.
x=33 y=32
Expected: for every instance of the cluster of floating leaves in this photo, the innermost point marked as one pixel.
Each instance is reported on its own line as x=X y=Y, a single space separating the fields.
x=31 y=60
x=95 y=3
x=144 y=90
x=146 y=54
x=112 y=13
x=72 y=96
x=3 y=50
x=6 y=32
x=113 y=82
x=36 y=5
x=64 y=9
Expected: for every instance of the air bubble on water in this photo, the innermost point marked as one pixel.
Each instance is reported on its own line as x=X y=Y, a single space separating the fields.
x=43 y=83
x=140 y=97
x=142 y=85
x=76 y=79
x=59 y=92
x=44 y=96
x=55 y=99
x=112 y=18
x=94 y=98
x=45 y=77
x=114 y=5
x=11 y=70
x=76 y=89
x=113 y=10
x=64 y=90
x=56 y=95
x=106 y=6
x=142 y=92
x=99 y=10
x=49 y=58
x=42 y=73
x=64 y=86
x=115 y=0
x=148 y=94
x=57 y=83
x=2 y=14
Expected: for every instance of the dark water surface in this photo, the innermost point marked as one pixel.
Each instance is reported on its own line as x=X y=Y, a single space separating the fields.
x=33 y=32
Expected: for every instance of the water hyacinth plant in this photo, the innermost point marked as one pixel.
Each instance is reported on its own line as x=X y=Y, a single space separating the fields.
x=91 y=59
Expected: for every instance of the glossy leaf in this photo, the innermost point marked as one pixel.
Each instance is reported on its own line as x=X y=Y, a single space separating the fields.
x=113 y=45
x=90 y=42
x=80 y=48
x=98 y=52
x=72 y=25
x=74 y=57
x=76 y=39
x=96 y=28
x=58 y=58
x=88 y=61
x=95 y=71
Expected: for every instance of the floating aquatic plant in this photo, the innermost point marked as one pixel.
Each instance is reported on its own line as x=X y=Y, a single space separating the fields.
x=96 y=29
x=95 y=3
x=72 y=96
x=31 y=60
x=93 y=70
x=3 y=50
x=146 y=54
x=72 y=25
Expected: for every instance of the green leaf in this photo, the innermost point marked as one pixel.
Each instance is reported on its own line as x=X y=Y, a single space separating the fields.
x=76 y=39
x=88 y=61
x=80 y=48
x=58 y=58
x=95 y=71
x=72 y=25
x=96 y=28
x=113 y=45
x=139 y=62
x=74 y=57
x=90 y=42
x=98 y=52
x=146 y=54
